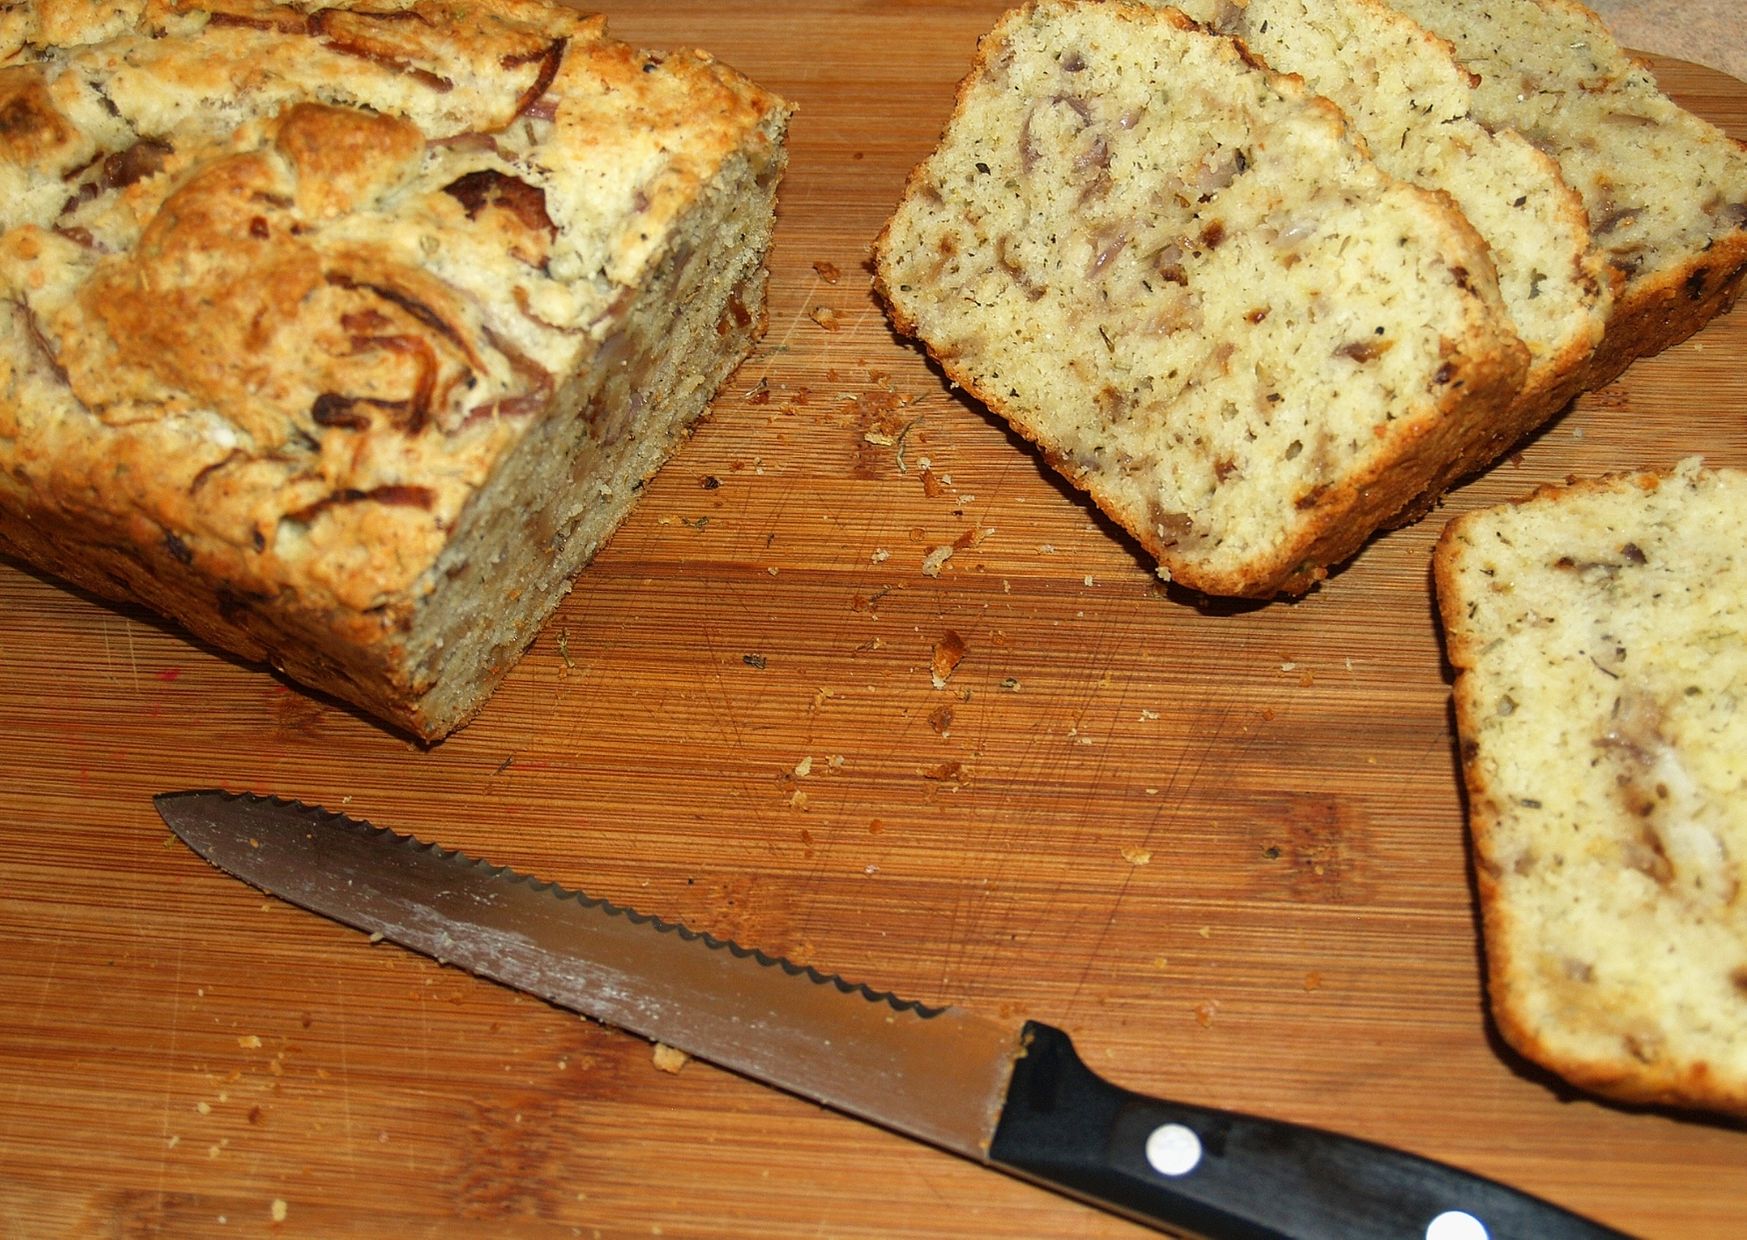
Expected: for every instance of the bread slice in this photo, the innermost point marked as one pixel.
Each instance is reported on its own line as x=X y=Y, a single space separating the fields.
x=345 y=336
x=1179 y=275
x=1665 y=190
x=1599 y=636
x=1412 y=103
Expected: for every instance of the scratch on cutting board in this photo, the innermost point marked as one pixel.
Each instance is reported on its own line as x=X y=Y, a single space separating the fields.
x=1043 y=749
x=42 y=999
x=772 y=351
x=1175 y=789
x=109 y=659
x=170 y=1069
x=803 y=315
x=1120 y=709
x=345 y=1074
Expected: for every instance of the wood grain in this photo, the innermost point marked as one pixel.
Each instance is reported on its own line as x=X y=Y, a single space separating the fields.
x=1222 y=845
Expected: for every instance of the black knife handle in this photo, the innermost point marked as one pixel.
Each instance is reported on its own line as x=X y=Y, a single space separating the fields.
x=1237 y=1177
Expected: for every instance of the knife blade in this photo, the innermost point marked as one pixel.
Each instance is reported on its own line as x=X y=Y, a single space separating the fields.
x=1012 y=1095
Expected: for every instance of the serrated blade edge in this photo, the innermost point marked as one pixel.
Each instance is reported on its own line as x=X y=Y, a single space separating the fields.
x=935 y=1073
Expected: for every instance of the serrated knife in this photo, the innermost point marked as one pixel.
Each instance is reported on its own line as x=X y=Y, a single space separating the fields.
x=1009 y=1094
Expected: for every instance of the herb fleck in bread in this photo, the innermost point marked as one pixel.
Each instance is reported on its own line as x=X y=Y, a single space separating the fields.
x=1179 y=275
x=1665 y=190
x=344 y=336
x=1599 y=636
x=1412 y=103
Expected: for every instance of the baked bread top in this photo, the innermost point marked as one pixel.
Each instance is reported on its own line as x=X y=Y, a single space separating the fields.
x=284 y=281
x=1599 y=635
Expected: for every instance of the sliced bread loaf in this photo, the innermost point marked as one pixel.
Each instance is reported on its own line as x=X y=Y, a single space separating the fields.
x=1666 y=191
x=1599 y=637
x=344 y=336
x=1413 y=104
x=1180 y=275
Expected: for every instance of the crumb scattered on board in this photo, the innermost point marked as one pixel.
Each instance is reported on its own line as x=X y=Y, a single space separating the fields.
x=949 y=652
x=669 y=1059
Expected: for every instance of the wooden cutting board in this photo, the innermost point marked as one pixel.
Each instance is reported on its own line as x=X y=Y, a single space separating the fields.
x=1223 y=845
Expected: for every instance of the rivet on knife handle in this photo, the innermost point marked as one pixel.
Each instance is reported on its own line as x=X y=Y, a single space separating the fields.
x=1011 y=1096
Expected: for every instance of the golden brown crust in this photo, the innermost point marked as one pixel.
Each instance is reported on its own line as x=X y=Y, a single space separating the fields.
x=1655 y=314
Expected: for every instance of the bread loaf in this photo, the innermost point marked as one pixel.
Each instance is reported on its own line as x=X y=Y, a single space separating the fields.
x=1180 y=275
x=1413 y=104
x=1665 y=190
x=1599 y=636
x=344 y=335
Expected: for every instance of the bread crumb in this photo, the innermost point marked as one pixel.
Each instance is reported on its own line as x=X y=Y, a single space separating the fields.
x=804 y=767
x=827 y=272
x=1205 y=932
x=825 y=317
x=279 y=1209
x=1137 y=856
x=949 y=652
x=1087 y=580
x=935 y=560
x=249 y=1042
x=880 y=555
x=1205 y=1011
x=798 y=800
x=953 y=774
x=205 y=1108
x=1147 y=716
x=669 y=1059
